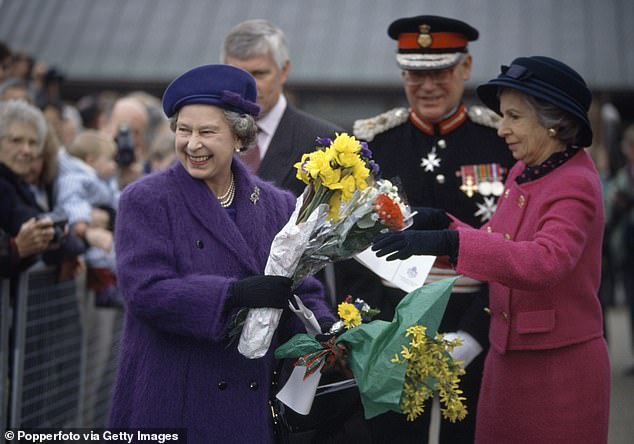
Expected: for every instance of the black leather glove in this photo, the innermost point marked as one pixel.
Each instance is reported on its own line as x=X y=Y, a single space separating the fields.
x=428 y=218
x=325 y=326
x=404 y=244
x=261 y=291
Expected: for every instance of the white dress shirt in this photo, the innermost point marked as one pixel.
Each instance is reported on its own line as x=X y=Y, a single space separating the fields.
x=268 y=124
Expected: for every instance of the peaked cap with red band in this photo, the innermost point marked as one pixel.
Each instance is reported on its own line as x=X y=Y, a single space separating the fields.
x=427 y=42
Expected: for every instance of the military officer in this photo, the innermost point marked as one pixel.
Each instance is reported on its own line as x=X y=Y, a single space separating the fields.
x=448 y=157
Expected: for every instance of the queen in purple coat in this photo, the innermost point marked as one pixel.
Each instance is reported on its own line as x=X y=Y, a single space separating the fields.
x=192 y=242
x=547 y=373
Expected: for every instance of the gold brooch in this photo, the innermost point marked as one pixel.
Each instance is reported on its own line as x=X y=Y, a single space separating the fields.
x=255 y=196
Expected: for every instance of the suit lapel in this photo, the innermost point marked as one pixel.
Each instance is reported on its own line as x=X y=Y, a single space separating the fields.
x=280 y=155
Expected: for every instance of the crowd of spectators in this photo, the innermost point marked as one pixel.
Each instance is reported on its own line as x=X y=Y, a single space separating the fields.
x=82 y=154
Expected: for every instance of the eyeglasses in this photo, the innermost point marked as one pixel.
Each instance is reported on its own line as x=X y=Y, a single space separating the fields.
x=437 y=76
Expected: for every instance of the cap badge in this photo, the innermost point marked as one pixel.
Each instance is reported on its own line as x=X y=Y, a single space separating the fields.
x=424 y=39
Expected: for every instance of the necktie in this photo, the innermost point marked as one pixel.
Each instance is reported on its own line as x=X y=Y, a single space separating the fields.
x=251 y=157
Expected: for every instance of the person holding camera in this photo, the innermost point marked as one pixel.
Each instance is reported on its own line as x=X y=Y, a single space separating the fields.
x=18 y=252
x=89 y=195
x=128 y=125
x=192 y=242
x=23 y=131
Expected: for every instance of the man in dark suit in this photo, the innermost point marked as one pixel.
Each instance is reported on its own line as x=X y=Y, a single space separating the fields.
x=284 y=132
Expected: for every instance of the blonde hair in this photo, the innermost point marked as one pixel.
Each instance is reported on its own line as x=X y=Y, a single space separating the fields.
x=91 y=143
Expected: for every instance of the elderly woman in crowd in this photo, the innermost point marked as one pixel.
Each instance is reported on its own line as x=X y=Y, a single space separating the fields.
x=547 y=374
x=192 y=242
x=22 y=135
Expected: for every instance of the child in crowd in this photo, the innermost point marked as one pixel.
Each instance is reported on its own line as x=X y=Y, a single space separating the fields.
x=87 y=192
x=162 y=152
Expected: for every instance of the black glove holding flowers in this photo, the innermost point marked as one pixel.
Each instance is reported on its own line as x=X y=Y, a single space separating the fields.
x=325 y=326
x=260 y=292
x=404 y=244
x=427 y=218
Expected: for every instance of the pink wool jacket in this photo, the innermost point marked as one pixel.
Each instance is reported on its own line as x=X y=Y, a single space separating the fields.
x=541 y=254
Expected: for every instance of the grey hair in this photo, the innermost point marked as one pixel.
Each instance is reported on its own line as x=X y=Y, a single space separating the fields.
x=19 y=111
x=551 y=116
x=253 y=38
x=242 y=125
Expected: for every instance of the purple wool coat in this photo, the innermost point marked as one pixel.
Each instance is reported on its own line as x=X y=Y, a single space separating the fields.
x=178 y=252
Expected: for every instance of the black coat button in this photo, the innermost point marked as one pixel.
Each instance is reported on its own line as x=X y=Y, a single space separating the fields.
x=222 y=385
x=253 y=386
x=199 y=244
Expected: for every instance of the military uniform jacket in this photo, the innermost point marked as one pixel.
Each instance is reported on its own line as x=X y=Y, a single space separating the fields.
x=432 y=162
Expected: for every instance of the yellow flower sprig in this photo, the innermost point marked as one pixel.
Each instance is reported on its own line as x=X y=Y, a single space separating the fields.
x=334 y=172
x=428 y=361
x=349 y=314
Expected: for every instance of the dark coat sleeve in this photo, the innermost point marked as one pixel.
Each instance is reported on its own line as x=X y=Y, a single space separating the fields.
x=18 y=206
x=9 y=258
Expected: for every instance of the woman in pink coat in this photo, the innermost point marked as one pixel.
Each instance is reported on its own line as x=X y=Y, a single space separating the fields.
x=547 y=374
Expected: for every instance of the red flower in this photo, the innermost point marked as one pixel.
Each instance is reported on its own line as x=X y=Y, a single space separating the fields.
x=389 y=212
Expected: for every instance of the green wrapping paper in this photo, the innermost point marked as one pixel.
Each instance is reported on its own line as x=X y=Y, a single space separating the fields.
x=373 y=345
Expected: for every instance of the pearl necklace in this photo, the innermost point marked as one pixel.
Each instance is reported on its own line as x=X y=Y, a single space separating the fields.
x=227 y=198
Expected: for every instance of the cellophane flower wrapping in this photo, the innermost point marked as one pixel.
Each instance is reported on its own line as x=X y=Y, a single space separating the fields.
x=343 y=207
x=378 y=208
x=384 y=382
x=260 y=323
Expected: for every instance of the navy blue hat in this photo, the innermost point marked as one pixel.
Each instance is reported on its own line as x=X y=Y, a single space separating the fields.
x=427 y=42
x=224 y=86
x=549 y=80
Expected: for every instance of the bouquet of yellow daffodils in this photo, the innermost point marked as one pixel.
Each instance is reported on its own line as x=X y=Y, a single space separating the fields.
x=340 y=211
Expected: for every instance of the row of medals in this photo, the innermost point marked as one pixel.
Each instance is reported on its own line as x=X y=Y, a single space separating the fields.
x=470 y=184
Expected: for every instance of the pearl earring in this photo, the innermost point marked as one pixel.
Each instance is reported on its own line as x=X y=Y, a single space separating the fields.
x=552 y=132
